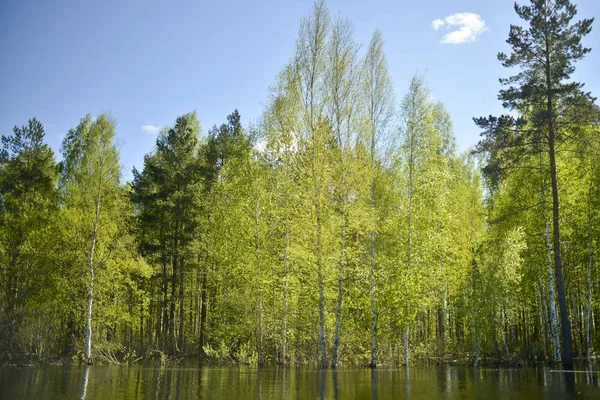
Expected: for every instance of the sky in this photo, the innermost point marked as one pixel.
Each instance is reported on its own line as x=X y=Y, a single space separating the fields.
x=147 y=62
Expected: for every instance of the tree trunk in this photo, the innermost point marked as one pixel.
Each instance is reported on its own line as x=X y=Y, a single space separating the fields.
x=565 y=326
x=341 y=265
x=90 y=299
x=171 y=330
x=554 y=338
x=502 y=324
x=285 y=295
x=373 y=266
x=443 y=315
x=477 y=348
x=142 y=339
x=181 y=304
x=589 y=280
x=338 y=317
x=203 y=313
x=321 y=283
x=567 y=351
x=423 y=323
x=495 y=339
x=322 y=342
x=259 y=345
x=406 y=335
x=88 y=320
x=163 y=316
x=543 y=313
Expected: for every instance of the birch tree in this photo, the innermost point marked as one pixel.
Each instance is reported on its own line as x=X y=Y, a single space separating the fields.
x=309 y=64
x=90 y=179
x=378 y=109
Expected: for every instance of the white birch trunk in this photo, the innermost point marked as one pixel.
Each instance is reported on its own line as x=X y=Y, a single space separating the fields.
x=88 y=325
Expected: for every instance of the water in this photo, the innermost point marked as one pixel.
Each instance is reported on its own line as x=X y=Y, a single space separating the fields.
x=193 y=382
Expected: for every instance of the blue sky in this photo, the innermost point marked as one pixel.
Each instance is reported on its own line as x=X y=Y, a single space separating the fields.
x=146 y=62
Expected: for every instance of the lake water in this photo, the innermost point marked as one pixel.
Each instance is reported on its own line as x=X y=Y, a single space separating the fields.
x=214 y=382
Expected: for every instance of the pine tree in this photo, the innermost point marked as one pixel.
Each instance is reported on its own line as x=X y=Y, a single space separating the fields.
x=167 y=195
x=28 y=203
x=545 y=52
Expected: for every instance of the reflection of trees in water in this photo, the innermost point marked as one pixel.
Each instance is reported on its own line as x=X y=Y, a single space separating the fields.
x=258 y=382
x=442 y=379
x=569 y=381
x=91 y=382
x=84 y=382
x=323 y=377
x=335 y=384
x=283 y=383
x=199 y=372
x=406 y=381
x=158 y=382
x=373 y=384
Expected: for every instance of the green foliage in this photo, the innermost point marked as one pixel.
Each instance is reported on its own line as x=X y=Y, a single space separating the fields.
x=339 y=227
x=28 y=211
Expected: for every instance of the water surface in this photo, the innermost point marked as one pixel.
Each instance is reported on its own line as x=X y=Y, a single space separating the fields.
x=214 y=382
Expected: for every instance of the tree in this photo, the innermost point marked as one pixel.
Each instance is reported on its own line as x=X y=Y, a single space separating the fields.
x=28 y=206
x=232 y=243
x=378 y=101
x=341 y=86
x=95 y=201
x=424 y=163
x=281 y=136
x=309 y=64
x=167 y=193
x=545 y=52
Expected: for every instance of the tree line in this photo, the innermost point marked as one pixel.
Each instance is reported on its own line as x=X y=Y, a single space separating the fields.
x=342 y=228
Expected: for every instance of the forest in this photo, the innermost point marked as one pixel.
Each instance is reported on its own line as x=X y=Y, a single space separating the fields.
x=343 y=227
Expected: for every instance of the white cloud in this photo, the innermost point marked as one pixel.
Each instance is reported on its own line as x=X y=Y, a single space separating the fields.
x=466 y=27
x=151 y=129
x=437 y=24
